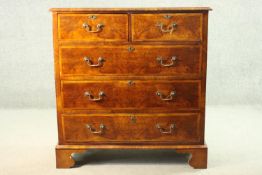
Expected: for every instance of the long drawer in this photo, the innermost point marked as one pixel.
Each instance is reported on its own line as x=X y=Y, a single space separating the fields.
x=140 y=94
x=173 y=128
x=179 y=60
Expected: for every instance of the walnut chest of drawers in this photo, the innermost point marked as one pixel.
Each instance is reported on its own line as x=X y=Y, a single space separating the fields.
x=130 y=79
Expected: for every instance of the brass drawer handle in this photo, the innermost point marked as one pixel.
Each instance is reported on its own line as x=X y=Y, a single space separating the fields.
x=167 y=98
x=160 y=60
x=88 y=28
x=92 y=98
x=100 y=61
x=165 y=131
x=167 y=29
x=92 y=130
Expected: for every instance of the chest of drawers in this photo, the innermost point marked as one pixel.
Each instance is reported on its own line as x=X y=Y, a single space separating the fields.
x=130 y=79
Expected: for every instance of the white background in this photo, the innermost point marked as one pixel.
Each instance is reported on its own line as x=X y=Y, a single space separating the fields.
x=234 y=92
x=26 y=55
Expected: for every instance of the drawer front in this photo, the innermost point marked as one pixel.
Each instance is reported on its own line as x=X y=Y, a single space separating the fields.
x=174 y=128
x=167 y=27
x=93 y=27
x=142 y=60
x=160 y=95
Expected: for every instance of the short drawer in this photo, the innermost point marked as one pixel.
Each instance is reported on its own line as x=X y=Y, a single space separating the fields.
x=140 y=94
x=93 y=27
x=167 y=27
x=173 y=128
x=180 y=60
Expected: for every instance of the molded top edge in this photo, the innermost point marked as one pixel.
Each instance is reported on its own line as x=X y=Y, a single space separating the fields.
x=152 y=9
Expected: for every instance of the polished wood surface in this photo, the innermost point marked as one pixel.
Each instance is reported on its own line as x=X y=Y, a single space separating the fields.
x=148 y=73
x=142 y=93
x=133 y=10
x=187 y=27
x=64 y=157
x=143 y=60
x=197 y=158
x=117 y=128
x=115 y=27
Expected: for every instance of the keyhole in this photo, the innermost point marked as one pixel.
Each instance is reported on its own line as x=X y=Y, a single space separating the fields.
x=130 y=83
x=133 y=118
x=92 y=17
x=131 y=49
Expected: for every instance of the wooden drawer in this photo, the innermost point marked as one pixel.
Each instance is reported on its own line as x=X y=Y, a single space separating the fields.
x=167 y=27
x=174 y=128
x=93 y=27
x=165 y=95
x=182 y=61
